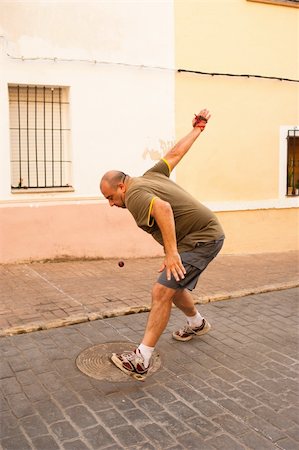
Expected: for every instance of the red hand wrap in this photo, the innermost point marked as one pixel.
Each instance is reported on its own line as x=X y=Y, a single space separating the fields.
x=200 y=122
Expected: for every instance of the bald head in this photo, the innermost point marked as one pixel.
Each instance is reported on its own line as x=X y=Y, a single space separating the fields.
x=113 y=186
x=112 y=178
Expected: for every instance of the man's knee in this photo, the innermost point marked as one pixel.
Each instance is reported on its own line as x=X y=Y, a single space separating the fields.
x=162 y=293
x=180 y=293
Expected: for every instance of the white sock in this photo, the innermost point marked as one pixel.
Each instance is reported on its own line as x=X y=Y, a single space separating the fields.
x=195 y=321
x=146 y=352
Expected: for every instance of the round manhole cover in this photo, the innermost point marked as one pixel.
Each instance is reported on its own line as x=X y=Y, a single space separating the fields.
x=95 y=361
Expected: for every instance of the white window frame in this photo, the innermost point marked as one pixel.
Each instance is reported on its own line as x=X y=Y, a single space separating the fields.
x=64 y=171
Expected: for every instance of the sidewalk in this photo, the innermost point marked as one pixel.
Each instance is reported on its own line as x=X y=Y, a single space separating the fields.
x=235 y=388
x=48 y=295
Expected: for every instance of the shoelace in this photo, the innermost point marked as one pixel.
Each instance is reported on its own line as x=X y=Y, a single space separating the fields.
x=186 y=329
x=131 y=355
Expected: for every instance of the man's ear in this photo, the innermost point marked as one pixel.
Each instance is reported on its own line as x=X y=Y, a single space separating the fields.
x=122 y=187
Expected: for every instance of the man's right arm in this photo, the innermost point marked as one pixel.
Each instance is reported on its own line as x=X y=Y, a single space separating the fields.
x=163 y=215
x=176 y=153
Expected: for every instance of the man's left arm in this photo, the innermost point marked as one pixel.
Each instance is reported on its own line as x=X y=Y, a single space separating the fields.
x=176 y=153
x=163 y=215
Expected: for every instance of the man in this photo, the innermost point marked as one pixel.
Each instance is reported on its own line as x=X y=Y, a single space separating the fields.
x=191 y=236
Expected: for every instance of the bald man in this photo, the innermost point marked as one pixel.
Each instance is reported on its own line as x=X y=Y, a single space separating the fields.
x=190 y=234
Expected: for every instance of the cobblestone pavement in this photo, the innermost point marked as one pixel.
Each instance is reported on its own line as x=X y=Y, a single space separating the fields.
x=47 y=295
x=234 y=388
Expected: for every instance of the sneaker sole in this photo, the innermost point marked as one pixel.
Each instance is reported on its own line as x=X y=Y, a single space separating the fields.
x=119 y=365
x=188 y=338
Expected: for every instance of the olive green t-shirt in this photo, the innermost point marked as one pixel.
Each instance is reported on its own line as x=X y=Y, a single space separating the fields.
x=193 y=221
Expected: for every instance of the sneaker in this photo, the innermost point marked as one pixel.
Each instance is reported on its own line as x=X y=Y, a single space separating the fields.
x=187 y=333
x=131 y=363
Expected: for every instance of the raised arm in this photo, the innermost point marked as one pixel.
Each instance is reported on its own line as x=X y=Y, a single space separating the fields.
x=176 y=153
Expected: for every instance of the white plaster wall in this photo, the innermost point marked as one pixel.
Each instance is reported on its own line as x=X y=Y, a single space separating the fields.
x=118 y=109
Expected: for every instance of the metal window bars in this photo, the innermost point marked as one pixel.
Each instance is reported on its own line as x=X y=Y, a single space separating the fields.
x=293 y=162
x=39 y=135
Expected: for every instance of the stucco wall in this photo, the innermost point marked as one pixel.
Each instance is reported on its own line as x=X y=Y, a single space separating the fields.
x=238 y=157
x=86 y=230
x=98 y=231
x=118 y=109
x=239 y=162
x=125 y=115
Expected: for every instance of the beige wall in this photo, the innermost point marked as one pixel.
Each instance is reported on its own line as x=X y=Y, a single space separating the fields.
x=118 y=112
x=237 y=163
x=260 y=231
x=97 y=231
x=236 y=167
x=237 y=157
x=236 y=35
x=45 y=231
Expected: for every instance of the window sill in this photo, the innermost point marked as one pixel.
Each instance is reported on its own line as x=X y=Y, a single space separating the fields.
x=42 y=190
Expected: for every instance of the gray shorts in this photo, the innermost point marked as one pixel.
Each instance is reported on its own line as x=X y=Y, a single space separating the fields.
x=195 y=263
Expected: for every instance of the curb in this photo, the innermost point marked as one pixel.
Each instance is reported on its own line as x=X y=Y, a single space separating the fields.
x=89 y=317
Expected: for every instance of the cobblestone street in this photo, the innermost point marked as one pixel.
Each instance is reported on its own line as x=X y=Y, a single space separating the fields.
x=234 y=388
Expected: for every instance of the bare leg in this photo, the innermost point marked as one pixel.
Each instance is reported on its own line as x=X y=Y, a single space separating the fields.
x=162 y=298
x=184 y=301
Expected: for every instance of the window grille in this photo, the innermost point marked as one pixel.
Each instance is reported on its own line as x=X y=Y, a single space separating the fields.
x=39 y=136
x=293 y=162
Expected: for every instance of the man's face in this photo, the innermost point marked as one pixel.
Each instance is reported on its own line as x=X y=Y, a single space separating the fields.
x=115 y=196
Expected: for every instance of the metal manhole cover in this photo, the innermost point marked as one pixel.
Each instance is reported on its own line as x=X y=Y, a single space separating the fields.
x=95 y=361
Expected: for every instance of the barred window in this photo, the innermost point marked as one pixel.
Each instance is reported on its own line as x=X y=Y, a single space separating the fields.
x=39 y=137
x=293 y=162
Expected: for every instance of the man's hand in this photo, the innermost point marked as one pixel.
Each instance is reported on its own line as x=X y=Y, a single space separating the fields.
x=200 y=120
x=173 y=265
x=176 y=153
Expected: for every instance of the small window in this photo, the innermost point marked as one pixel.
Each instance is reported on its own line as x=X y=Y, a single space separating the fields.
x=293 y=162
x=39 y=138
